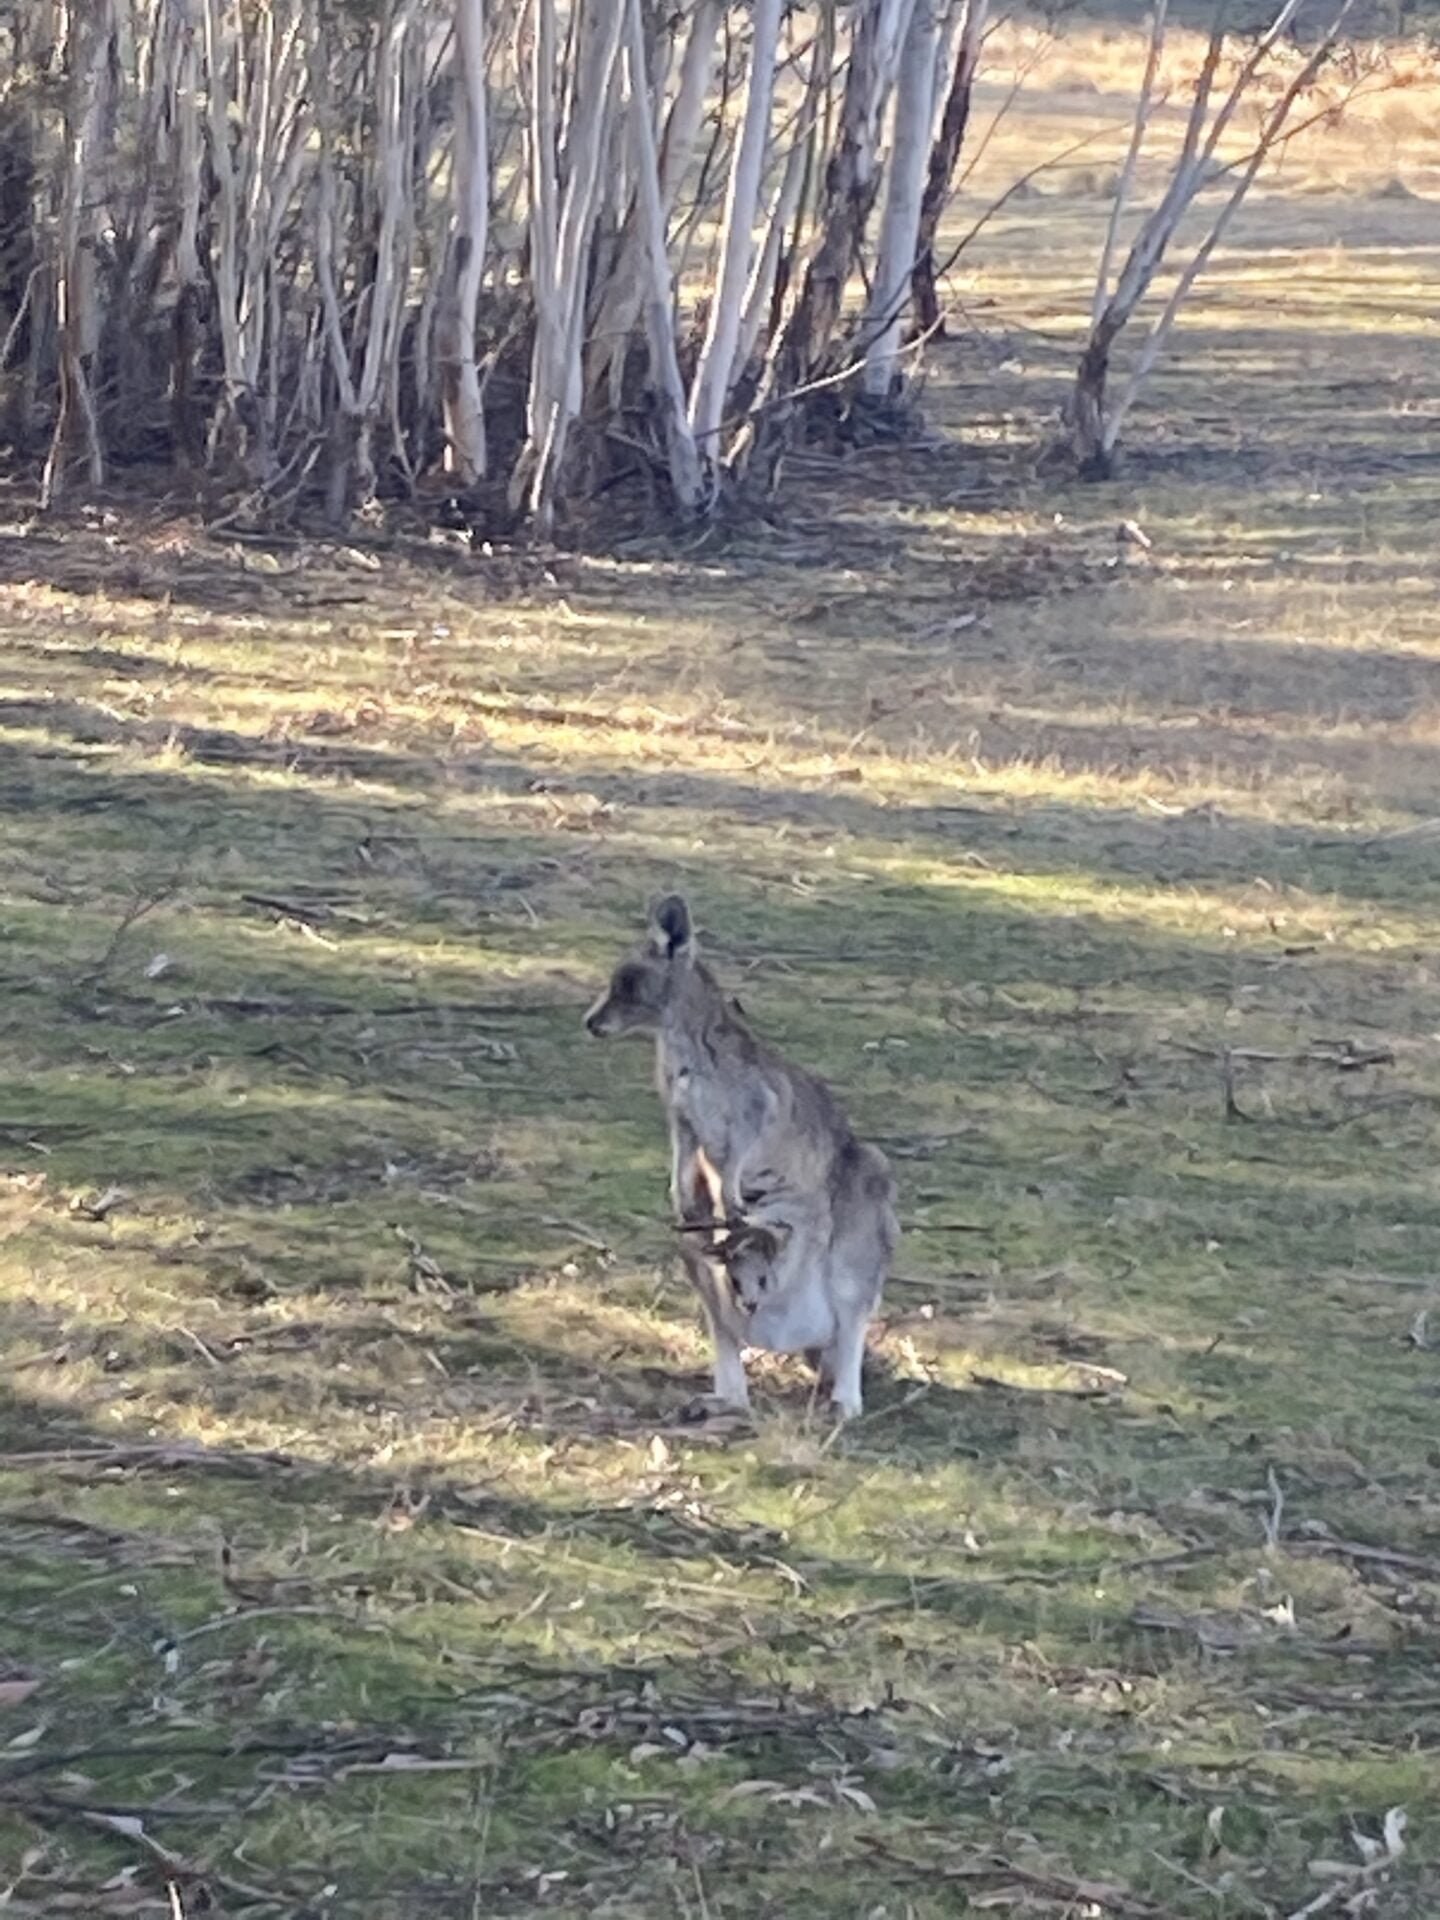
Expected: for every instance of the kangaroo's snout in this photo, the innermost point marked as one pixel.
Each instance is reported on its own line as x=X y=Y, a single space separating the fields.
x=597 y=1023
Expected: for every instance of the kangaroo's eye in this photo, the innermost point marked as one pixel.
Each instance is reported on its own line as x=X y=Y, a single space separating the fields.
x=627 y=983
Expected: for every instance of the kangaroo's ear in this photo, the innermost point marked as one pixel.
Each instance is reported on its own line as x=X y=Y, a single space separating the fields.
x=670 y=930
x=750 y=1239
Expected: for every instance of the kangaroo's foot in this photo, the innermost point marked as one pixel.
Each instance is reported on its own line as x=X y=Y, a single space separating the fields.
x=846 y=1360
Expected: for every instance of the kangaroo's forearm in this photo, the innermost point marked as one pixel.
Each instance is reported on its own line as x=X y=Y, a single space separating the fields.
x=692 y=1182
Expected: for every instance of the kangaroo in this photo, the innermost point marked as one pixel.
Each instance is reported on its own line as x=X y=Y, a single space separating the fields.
x=757 y=1145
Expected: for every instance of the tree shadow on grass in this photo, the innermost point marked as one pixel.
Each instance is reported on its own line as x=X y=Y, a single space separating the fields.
x=318 y=825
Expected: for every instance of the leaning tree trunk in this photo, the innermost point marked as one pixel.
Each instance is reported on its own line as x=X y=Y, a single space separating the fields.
x=623 y=298
x=1095 y=419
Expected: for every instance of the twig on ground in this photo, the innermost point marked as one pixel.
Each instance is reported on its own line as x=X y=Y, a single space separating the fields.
x=1272 y=1520
x=1358 y=1550
x=149 y=1454
x=996 y=1867
x=137 y=910
x=130 y=1827
x=247 y=1615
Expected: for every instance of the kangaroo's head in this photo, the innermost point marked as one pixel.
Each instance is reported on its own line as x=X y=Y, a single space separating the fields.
x=648 y=981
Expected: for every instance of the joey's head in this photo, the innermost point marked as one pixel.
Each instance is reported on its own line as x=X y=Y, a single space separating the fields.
x=750 y=1254
x=648 y=981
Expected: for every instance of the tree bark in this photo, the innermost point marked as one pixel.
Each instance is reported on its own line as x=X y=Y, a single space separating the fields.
x=849 y=196
x=563 y=226
x=904 y=189
x=1094 y=421
x=717 y=356
x=686 y=478
x=464 y=410
x=185 y=425
x=944 y=155
x=89 y=43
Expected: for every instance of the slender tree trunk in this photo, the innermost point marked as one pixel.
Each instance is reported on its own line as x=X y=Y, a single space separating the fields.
x=1095 y=420
x=90 y=31
x=1126 y=181
x=623 y=297
x=34 y=343
x=717 y=356
x=564 y=227
x=765 y=278
x=460 y=373
x=687 y=112
x=944 y=155
x=904 y=190
x=19 y=260
x=185 y=352
x=1093 y=457
x=850 y=184
x=684 y=461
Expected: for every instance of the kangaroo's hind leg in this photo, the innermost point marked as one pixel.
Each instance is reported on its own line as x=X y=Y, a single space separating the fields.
x=822 y=1361
x=847 y=1359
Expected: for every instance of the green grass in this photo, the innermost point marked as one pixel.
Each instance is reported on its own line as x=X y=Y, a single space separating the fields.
x=351 y=1539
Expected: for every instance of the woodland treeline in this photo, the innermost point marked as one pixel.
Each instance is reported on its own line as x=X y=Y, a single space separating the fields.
x=328 y=252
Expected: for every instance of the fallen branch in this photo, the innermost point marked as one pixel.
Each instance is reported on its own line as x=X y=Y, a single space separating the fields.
x=131 y=1828
x=149 y=1454
x=1377 y=1556
x=996 y=1867
x=1108 y=1381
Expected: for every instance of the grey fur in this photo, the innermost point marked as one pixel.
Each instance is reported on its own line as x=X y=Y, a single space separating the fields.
x=798 y=1215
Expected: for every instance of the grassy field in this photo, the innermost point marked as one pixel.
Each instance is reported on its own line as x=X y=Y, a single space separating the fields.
x=355 y=1557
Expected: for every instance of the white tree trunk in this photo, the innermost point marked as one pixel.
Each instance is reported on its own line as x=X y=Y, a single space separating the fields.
x=1271 y=128
x=1094 y=419
x=717 y=356
x=388 y=291
x=463 y=401
x=799 y=162
x=658 y=296
x=188 y=153
x=544 y=218
x=623 y=297
x=189 y=182
x=894 y=26
x=1126 y=181
x=688 y=110
x=565 y=239
x=89 y=30
x=904 y=189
